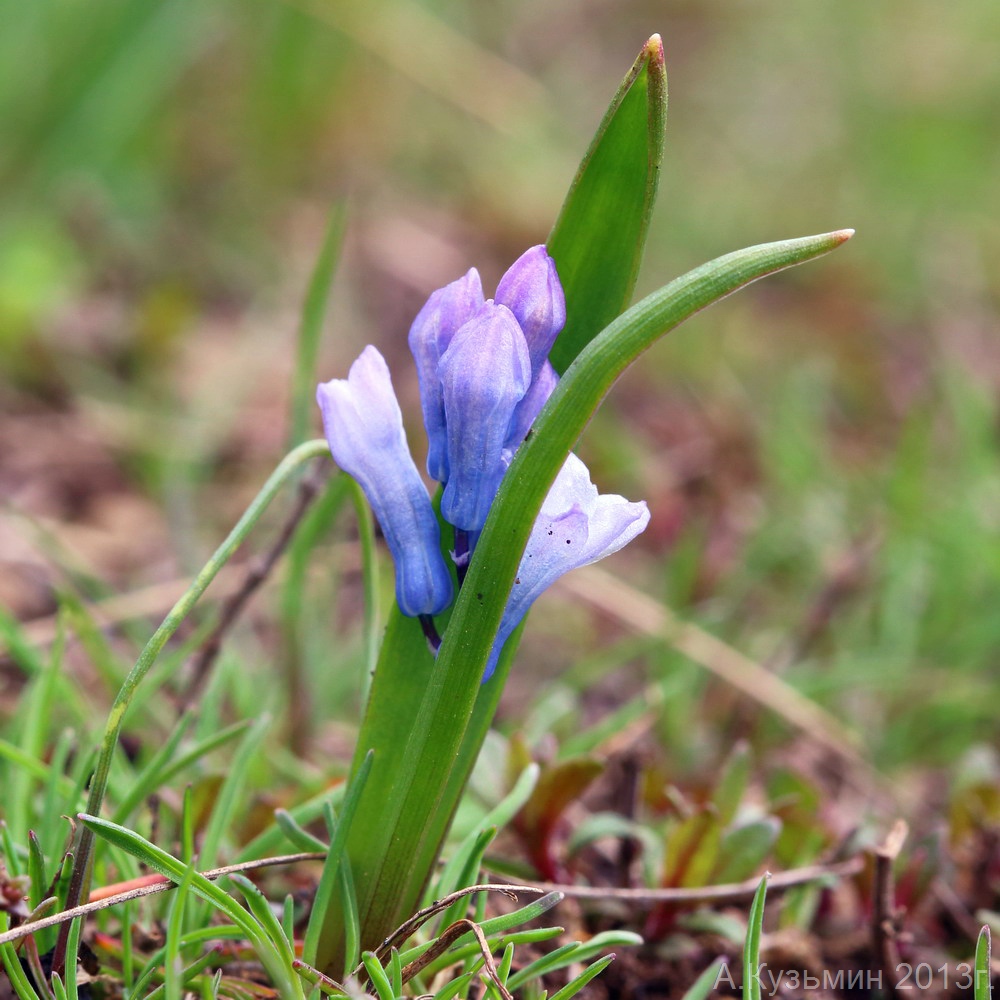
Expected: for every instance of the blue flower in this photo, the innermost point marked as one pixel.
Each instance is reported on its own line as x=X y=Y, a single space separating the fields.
x=484 y=374
x=432 y=331
x=364 y=428
x=576 y=526
x=531 y=405
x=484 y=377
x=531 y=291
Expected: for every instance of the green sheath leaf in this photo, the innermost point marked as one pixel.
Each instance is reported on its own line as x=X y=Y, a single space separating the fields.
x=599 y=237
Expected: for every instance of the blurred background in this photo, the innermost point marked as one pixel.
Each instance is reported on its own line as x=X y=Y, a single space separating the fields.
x=819 y=452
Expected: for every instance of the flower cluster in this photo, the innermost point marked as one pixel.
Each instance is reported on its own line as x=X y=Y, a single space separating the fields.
x=484 y=376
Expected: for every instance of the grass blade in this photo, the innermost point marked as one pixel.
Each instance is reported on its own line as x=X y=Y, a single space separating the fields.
x=751 y=949
x=983 y=988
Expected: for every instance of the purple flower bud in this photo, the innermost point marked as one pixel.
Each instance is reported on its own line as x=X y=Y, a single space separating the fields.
x=484 y=374
x=576 y=527
x=444 y=312
x=535 y=398
x=364 y=428
x=532 y=292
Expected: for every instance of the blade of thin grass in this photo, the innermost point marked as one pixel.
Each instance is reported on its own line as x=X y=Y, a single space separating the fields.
x=578 y=982
x=228 y=797
x=377 y=976
x=259 y=906
x=174 y=869
x=216 y=932
x=55 y=801
x=36 y=710
x=983 y=987
x=12 y=856
x=173 y=967
x=575 y=951
x=472 y=860
x=147 y=780
x=702 y=987
x=335 y=862
x=16 y=975
x=751 y=949
x=395 y=972
x=498 y=817
x=185 y=975
x=468 y=948
x=287 y=469
x=311 y=326
x=270 y=839
x=299 y=838
x=36 y=871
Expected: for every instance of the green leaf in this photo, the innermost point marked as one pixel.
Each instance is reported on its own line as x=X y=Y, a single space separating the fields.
x=744 y=848
x=599 y=236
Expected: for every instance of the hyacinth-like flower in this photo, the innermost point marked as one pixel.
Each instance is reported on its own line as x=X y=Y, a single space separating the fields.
x=531 y=291
x=576 y=526
x=447 y=310
x=484 y=377
x=364 y=428
x=484 y=374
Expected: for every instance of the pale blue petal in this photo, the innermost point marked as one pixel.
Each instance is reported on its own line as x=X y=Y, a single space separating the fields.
x=576 y=527
x=535 y=398
x=364 y=428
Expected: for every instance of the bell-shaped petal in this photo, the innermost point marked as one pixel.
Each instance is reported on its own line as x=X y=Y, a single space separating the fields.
x=484 y=374
x=576 y=527
x=445 y=311
x=364 y=428
x=535 y=398
x=531 y=291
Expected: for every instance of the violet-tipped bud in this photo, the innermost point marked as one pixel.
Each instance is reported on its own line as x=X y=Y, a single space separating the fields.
x=531 y=291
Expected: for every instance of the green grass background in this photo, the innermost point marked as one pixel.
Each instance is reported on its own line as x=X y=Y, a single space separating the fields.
x=166 y=172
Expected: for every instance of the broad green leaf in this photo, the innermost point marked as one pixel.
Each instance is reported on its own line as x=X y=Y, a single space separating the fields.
x=599 y=236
